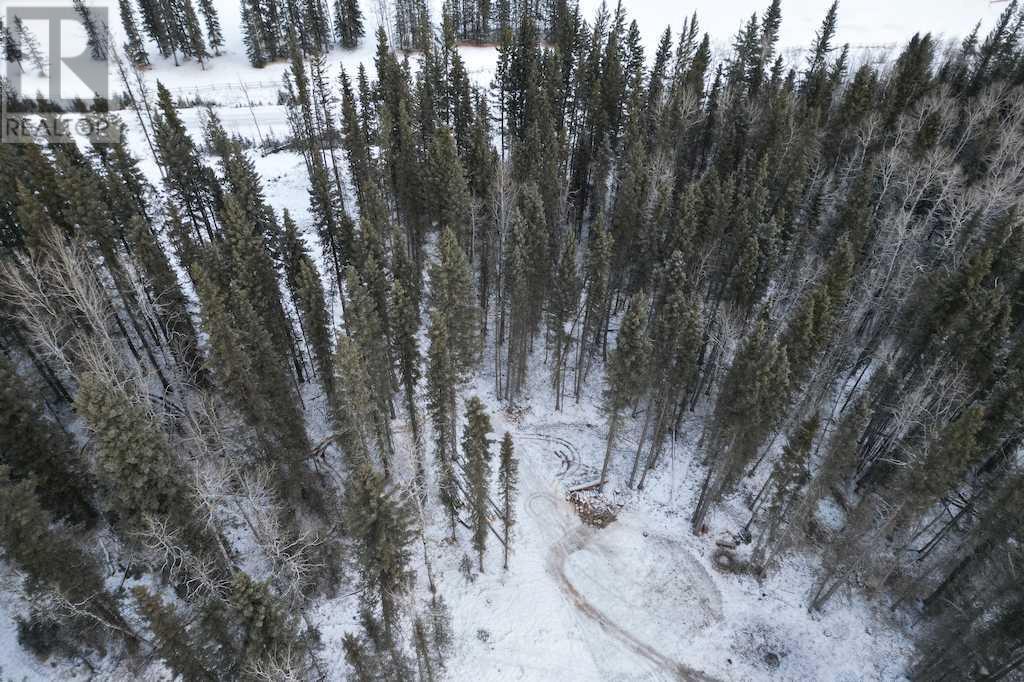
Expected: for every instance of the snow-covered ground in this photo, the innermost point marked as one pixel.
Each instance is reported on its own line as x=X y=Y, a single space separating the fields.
x=640 y=599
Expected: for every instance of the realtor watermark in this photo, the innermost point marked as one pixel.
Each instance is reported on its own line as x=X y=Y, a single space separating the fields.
x=61 y=105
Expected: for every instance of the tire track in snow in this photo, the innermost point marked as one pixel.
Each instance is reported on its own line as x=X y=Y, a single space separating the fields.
x=573 y=540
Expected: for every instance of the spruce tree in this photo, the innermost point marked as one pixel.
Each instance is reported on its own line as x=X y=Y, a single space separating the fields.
x=136 y=462
x=365 y=667
x=194 y=44
x=407 y=352
x=447 y=188
x=381 y=524
x=508 y=486
x=178 y=648
x=11 y=46
x=367 y=328
x=786 y=483
x=252 y=35
x=155 y=23
x=134 y=48
x=50 y=557
x=348 y=23
x=34 y=448
x=265 y=629
x=96 y=35
x=562 y=309
x=316 y=21
x=308 y=294
x=441 y=384
x=594 y=327
x=451 y=280
x=745 y=410
x=193 y=186
x=358 y=416
x=214 y=37
x=814 y=86
x=516 y=306
x=476 y=448
x=252 y=376
x=627 y=367
x=171 y=304
x=29 y=46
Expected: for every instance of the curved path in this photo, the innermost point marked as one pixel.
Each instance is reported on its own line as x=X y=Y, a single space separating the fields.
x=570 y=536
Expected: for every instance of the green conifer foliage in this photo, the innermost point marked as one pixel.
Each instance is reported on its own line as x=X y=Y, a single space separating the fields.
x=135 y=460
x=50 y=556
x=627 y=369
x=380 y=522
x=451 y=280
x=31 y=447
x=180 y=649
x=508 y=486
x=348 y=23
x=134 y=48
x=265 y=629
x=213 y=32
x=307 y=291
x=441 y=389
x=448 y=191
x=562 y=309
x=476 y=448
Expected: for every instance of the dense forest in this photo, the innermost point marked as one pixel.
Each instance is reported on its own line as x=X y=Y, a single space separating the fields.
x=237 y=415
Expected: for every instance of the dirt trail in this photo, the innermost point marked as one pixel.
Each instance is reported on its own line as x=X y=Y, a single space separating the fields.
x=574 y=537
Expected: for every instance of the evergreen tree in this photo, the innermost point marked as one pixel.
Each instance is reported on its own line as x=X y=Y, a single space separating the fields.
x=451 y=280
x=316 y=20
x=192 y=185
x=348 y=23
x=11 y=46
x=155 y=23
x=135 y=460
x=786 y=483
x=308 y=295
x=627 y=368
x=407 y=352
x=358 y=416
x=166 y=294
x=380 y=523
x=134 y=48
x=29 y=46
x=516 y=298
x=49 y=556
x=265 y=629
x=368 y=330
x=252 y=34
x=212 y=22
x=562 y=310
x=174 y=644
x=594 y=328
x=193 y=45
x=33 y=448
x=508 y=484
x=745 y=410
x=476 y=448
x=96 y=35
x=675 y=346
x=253 y=377
x=441 y=389
x=813 y=87
x=448 y=189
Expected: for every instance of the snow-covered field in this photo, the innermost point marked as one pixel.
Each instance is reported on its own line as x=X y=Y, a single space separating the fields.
x=640 y=599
